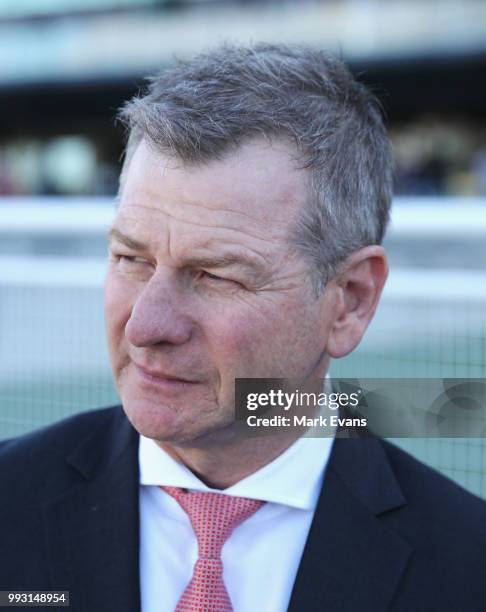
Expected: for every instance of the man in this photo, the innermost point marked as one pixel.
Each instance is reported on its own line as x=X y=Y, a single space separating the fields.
x=253 y=201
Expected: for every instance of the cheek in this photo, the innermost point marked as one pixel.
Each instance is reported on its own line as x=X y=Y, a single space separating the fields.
x=281 y=340
x=226 y=337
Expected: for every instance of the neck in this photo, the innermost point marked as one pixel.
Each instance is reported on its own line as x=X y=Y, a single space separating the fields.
x=222 y=465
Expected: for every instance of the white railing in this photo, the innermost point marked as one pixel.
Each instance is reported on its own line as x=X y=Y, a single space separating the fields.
x=37 y=216
x=438 y=217
x=412 y=219
x=51 y=306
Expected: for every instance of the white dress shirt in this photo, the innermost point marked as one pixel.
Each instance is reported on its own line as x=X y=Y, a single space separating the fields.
x=262 y=555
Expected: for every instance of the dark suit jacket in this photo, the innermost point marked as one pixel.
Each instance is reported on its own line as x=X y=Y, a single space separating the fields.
x=388 y=533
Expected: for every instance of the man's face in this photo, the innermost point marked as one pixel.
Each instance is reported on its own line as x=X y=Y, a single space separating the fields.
x=203 y=288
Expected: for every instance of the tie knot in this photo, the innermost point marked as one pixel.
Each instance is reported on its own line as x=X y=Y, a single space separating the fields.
x=213 y=516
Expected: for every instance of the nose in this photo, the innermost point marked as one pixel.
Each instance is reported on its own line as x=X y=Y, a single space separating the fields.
x=157 y=316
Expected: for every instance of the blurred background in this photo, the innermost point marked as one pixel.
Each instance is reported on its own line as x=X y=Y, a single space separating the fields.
x=67 y=65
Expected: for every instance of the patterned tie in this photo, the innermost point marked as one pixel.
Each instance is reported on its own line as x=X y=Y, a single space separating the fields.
x=213 y=517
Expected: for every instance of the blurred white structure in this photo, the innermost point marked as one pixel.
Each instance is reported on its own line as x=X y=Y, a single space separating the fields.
x=70 y=48
x=51 y=315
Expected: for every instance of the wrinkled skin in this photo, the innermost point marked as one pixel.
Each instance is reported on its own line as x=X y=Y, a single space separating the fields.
x=172 y=310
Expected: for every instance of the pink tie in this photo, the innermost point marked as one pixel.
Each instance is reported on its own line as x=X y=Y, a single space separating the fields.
x=213 y=517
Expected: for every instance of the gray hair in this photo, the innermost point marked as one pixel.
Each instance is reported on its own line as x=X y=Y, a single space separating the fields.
x=201 y=109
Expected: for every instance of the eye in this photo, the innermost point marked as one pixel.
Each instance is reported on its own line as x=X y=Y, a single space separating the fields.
x=214 y=277
x=118 y=257
x=131 y=259
x=129 y=262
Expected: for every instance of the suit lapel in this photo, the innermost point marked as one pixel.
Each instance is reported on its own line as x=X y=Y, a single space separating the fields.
x=92 y=530
x=352 y=561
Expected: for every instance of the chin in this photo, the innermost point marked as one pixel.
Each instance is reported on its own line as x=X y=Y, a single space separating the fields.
x=150 y=419
x=162 y=423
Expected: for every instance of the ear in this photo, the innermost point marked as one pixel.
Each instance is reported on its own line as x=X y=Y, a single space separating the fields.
x=357 y=288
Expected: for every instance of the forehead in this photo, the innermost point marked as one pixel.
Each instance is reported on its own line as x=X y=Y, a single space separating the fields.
x=254 y=192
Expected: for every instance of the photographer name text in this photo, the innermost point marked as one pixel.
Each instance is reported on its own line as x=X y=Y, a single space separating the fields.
x=303 y=421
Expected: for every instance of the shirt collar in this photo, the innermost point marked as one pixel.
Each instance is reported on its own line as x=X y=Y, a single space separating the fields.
x=294 y=478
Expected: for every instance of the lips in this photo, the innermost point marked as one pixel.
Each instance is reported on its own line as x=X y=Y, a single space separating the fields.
x=159 y=375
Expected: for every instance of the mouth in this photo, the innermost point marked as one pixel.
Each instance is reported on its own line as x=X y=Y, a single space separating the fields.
x=162 y=379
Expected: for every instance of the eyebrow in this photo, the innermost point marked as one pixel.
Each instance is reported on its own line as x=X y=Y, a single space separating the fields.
x=224 y=261
x=116 y=234
x=218 y=261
